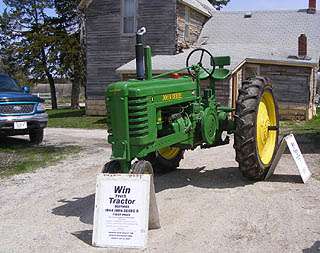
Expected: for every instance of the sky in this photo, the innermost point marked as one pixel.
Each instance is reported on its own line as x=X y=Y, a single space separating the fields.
x=238 y=5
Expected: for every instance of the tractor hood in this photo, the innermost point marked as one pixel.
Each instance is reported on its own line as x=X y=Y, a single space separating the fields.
x=136 y=88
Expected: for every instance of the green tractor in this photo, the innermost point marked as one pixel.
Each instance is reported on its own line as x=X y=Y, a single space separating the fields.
x=152 y=120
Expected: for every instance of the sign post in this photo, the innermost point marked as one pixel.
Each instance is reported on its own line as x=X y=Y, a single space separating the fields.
x=291 y=142
x=121 y=210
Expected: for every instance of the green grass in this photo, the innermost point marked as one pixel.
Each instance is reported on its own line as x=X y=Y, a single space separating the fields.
x=302 y=127
x=68 y=118
x=18 y=156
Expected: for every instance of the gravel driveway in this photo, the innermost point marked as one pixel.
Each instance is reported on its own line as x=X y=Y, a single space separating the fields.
x=205 y=206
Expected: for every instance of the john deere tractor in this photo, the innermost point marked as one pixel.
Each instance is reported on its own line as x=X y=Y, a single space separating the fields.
x=152 y=120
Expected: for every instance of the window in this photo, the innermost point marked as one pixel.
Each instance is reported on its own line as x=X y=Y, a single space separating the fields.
x=8 y=85
x=186 y=23
x=129 y=12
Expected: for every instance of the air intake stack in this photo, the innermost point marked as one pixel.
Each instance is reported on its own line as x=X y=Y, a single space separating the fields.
x=140 y=54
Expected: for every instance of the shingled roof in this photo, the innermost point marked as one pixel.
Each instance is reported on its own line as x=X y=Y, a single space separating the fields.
x=264 y=36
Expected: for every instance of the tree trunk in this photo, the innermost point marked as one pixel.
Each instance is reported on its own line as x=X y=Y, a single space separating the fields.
x=76 y=82
x=53 y=93
x=54 y=104
x=75 y=93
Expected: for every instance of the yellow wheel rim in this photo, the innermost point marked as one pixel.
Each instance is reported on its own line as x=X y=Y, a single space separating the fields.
x=266 y=138
x=169 y=153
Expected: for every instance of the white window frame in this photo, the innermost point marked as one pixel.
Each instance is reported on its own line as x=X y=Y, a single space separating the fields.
x=186 y=34
x=134 y=19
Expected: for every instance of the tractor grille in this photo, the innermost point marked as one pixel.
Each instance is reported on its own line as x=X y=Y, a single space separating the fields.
x=7 y=109
x=108 y=120
x=138 y=116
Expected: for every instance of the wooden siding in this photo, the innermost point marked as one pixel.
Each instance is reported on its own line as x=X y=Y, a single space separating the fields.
x=197 y=20
x=108 y=48
x=292 y=87
x=222 y=91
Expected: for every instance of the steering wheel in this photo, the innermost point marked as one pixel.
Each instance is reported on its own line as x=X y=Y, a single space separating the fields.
x=203 y=51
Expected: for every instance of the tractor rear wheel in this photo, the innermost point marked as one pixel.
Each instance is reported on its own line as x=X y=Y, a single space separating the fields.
x=166 y=159
x=257 y=128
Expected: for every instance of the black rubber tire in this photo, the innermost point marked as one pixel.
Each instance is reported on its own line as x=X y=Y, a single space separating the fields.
x=161 y=165
x=141 y=167
x=112 y=167
x=245 y=145
x=36 y=136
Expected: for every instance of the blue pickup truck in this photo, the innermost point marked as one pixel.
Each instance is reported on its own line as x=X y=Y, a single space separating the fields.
x=20 y=112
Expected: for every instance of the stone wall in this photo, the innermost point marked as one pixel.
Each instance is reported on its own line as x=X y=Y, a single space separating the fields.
x=95 y=107
x=197 y=20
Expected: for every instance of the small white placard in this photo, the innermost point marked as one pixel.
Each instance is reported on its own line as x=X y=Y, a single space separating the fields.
x=20 y=125
x=298 y=158
x=121 y=211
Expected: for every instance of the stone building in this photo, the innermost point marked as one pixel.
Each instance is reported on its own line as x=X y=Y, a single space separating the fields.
x=110 y=26
x=281 y=45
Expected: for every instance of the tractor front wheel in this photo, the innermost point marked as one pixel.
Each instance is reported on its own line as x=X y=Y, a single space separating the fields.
x=112 y=167
x=166 y=159
x=257 y=128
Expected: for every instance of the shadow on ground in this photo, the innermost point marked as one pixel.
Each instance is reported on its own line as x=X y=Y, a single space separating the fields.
x=77 y=207
x=315 y=248
x=201 y=177
x=85 y=236
x=67 y=114
x=11 y=142
x=83 y=207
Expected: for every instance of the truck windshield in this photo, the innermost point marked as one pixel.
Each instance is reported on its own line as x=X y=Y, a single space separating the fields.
x=7 y=84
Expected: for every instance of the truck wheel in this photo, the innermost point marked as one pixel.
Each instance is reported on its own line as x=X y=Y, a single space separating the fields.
x=36 y=136
x=112 y=167
x=166 y=159
x=257 y=128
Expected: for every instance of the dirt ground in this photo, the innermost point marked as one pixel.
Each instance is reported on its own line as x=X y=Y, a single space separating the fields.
x=205 y=206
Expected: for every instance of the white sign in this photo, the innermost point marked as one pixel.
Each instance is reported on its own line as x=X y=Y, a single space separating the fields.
x=20 y=125
x=121 y=211
x=298 y=158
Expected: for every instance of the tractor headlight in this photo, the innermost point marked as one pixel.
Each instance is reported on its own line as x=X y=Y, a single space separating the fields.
x=41 y=107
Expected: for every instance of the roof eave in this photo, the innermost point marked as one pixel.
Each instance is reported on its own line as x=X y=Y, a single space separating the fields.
x=281 y=62
x=196 y=9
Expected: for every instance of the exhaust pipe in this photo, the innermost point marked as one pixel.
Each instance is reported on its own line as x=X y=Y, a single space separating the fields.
x=139 y=53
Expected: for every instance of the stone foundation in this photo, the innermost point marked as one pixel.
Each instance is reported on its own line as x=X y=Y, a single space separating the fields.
x=95 y=107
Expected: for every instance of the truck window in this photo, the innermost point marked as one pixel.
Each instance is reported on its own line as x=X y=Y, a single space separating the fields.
x=7 y=84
